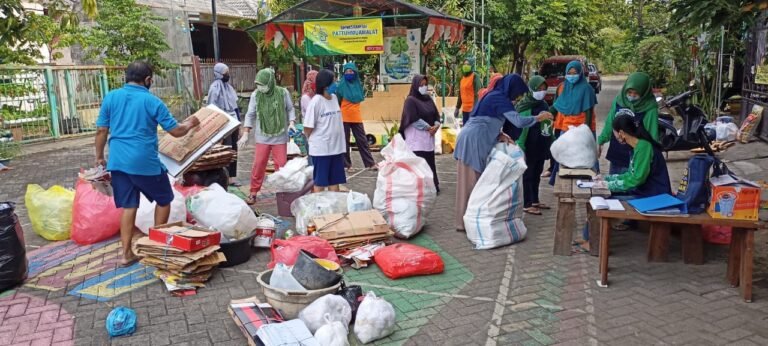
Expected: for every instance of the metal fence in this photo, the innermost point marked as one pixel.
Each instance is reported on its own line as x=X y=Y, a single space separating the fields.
x=39 y=103
x=243 y=76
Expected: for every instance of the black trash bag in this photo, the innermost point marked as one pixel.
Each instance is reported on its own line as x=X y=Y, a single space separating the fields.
x=353 y=295
x=13 y=254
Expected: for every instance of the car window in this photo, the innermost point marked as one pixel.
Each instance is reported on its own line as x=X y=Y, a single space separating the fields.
x=553 y=69
x=592 y=68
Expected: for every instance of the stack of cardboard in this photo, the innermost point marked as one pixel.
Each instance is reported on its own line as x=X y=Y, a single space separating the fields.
x=183 y=272
x=179 y=149
x=352 y=230
x=217 y=157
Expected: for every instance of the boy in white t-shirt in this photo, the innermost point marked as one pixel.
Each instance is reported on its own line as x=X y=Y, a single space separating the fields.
x=325 y=134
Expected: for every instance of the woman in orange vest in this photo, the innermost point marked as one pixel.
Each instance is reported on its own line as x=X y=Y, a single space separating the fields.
x=351 y=94
x=468 y=89
x=575 y=104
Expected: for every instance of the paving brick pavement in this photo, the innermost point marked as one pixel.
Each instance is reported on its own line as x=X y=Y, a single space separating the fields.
x=517 y=295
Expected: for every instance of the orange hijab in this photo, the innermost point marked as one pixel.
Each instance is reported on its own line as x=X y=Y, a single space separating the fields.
x=494 y=79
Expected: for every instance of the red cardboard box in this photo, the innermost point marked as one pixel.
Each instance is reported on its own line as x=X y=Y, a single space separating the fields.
x=184 y=236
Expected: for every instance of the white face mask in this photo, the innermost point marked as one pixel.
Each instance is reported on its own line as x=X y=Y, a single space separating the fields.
x=423 y=90
x=262 y=89
x=539 y=95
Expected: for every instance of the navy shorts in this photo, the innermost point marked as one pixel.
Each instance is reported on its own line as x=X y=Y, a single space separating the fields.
x=126 y=188
x=329 y=170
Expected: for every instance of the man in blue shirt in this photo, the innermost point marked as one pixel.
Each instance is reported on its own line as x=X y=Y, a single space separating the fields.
x=129 y=117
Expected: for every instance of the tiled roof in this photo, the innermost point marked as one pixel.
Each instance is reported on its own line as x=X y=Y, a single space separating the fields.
x=230 y=8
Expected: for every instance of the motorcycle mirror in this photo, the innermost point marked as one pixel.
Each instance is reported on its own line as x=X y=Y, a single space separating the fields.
x=692 y=83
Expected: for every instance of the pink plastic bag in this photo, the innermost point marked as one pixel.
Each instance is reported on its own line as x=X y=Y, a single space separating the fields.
x=717 y=234
x=403 y=260
x=94 y=215
x=286 y=251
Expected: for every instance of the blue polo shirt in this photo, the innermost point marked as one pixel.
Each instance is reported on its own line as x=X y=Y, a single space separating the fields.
x=132 y=114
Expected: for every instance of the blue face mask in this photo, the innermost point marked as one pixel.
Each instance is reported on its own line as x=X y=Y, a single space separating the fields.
x=331 y=89
x=572 y=78
x=349 y=77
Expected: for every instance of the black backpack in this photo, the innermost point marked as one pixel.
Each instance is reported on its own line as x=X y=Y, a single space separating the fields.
x=694 y=188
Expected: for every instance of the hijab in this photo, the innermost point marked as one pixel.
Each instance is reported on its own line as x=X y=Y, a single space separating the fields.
x=351 y=91
x=309 y=84
x=529 y=102
x=324 y=79
x=640 y=82
x=499 y=100
x=222 y=94
x=418 y=106
x=271 y=104
x=495 y=78
x=576 y=97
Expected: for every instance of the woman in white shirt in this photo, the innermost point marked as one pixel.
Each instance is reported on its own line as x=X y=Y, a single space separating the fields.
x=325 y=133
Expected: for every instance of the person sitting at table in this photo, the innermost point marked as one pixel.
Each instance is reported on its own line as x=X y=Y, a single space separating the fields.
x=647 y=176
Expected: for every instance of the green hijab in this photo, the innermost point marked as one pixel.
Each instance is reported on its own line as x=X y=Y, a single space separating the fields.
x=350 y=91
x=271 y=104
x=640 y=82
x=528 y=101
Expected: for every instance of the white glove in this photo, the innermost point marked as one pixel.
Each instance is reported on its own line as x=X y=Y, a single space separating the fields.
x=292 y=126
x=243 y=141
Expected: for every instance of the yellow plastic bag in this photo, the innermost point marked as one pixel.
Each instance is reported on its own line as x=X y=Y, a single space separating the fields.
x=50 y=211
x=449 y=139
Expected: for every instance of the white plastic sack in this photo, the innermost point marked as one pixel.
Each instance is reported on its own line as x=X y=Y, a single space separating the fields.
x=335 y=307
x=218 y=209
x=375 y=319
x=145 y=216
x=405 y=190
x=439 y=142
x=292 y=177
x=306 y=207
x=358 y=202
x=726 y=132
x=293 y=148
x=332 y=333
x=576 y=148
x=283 y=279
x=495 y=208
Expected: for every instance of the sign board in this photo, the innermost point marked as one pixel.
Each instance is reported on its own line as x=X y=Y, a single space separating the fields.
x=348 y=36
x=401 y=59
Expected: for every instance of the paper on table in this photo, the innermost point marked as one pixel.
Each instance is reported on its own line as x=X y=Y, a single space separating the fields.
x=175 y=168
x=600 y=203
x=585 y=184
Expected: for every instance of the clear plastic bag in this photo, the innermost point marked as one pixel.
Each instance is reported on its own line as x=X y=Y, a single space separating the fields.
x=375 y=319
x=283 y=279
x=358 y=202
x=306 y=207
x=292 y=177
x=145 y=216
x=576 y=148
x=50 y=211
x=332 y=333
x=335 y=307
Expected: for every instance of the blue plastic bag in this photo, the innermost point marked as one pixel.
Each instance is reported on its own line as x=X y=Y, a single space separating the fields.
x=121 y=321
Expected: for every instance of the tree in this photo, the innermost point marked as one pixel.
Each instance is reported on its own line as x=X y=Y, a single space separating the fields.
x=125 y=32
x=16 y=46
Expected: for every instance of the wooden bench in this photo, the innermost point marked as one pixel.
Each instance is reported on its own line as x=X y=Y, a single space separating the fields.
x=740 y=261
x=568 y=194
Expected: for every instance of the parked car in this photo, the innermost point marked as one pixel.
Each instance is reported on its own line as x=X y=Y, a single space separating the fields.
x=594 y=78
x=553 y=71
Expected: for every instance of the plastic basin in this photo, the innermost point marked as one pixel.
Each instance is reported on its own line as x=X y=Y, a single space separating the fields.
x=290 y=303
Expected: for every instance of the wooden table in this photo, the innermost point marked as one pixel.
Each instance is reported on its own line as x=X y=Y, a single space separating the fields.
x=568 y=194
x=740 y=261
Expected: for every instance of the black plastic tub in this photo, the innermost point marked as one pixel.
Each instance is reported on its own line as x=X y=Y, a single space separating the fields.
x=237 y=252
x=312 y=275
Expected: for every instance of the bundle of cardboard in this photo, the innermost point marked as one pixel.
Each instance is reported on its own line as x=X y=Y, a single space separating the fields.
x=183 y=272
x=217 y=157
x=351 y=230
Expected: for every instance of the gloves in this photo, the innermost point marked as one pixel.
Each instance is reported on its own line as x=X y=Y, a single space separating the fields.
x=243 y=141
x=292 y=127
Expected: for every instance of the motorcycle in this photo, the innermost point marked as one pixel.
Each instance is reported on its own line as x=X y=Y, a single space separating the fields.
x=692 y=133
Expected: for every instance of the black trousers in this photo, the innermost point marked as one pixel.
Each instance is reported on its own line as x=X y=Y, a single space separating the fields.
x=358 y=130
x=231 y=140
x=531 y=180
x=429 y=156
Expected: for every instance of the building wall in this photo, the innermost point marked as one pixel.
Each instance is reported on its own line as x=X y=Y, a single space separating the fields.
x=176 y=29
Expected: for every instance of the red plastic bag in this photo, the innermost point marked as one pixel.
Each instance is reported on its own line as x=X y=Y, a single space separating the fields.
x=716 y=234
x=94 y=215
x=286 y=251
x=403 y=260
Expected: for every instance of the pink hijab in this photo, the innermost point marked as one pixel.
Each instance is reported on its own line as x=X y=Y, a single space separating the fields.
x=309 y=84
x=494 y=79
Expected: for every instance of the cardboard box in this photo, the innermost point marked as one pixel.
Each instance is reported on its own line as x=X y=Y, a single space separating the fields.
x=184 y=236
x=211 y=121
x=351 y=225
x=734 y=198
x=250 y=315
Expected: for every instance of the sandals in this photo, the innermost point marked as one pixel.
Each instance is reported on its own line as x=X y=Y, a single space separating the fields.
x=542 y=206
x=579 y=249
x=532 y=211
x=124 y=263
x=251 y=200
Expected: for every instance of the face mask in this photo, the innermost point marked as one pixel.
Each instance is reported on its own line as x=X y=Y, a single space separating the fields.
x=349 y=77
x=633 y=98
x=331 y=89
x=572 y=78
x=423 y=90
x=466 y=69
x=225 y=78
x=539 y=95
x=262 y=89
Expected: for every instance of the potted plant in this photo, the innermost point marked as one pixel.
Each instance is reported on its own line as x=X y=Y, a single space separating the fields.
x=9 y=150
